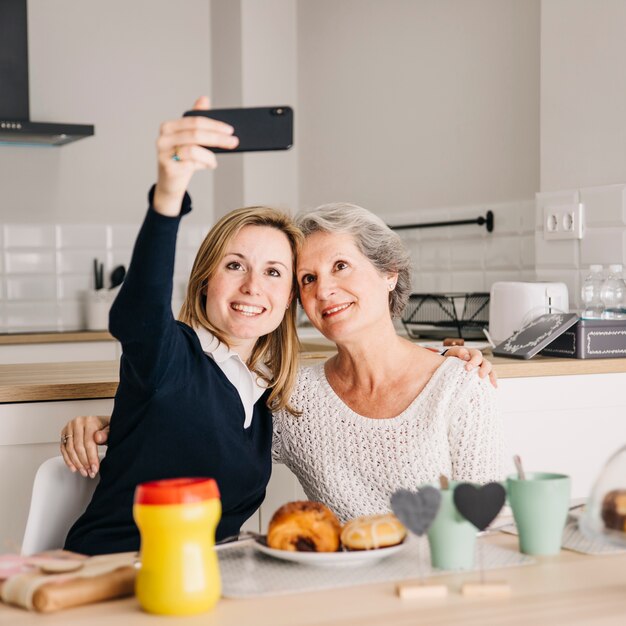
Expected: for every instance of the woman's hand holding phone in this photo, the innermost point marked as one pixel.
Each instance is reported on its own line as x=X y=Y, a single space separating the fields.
x=180 y=153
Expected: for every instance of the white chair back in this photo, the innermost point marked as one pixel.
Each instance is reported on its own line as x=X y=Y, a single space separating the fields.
x=59 y=498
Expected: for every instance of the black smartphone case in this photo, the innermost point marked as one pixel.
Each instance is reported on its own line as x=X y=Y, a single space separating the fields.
x=258 y=128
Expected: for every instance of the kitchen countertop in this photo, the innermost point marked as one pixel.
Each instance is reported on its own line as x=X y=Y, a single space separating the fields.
x=42 y=382
x=570 y=588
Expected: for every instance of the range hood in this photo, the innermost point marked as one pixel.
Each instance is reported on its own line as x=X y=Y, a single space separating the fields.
x=15 y=124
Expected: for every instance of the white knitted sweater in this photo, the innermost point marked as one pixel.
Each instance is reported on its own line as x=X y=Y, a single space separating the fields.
x=353 y=463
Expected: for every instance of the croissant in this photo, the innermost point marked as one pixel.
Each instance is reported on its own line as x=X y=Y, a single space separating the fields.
x=304 y=527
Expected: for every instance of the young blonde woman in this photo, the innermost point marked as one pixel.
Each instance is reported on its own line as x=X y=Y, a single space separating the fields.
x=196 y=395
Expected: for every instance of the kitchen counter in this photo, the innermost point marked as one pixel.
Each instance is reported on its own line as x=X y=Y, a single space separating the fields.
x=40 y=382
x=570 y=588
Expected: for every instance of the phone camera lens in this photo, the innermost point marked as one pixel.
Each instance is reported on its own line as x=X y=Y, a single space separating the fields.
x=278 y=111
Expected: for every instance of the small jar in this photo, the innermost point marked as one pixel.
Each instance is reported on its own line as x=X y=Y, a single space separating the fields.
x=179 y=573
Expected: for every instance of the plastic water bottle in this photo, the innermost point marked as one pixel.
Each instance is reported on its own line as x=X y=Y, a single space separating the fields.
x=591 y=294
x=614 y=295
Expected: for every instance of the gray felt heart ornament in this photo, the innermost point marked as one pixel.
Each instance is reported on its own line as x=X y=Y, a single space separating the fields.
x=416 y=510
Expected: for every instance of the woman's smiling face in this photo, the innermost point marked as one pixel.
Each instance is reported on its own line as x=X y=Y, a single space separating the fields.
x=340 y=289
x=248 y=294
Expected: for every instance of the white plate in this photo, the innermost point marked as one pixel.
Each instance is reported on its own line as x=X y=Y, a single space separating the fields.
x=331 y=559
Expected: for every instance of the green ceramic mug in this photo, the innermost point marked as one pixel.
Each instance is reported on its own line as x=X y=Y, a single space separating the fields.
x=540 y=504
x=452 y=539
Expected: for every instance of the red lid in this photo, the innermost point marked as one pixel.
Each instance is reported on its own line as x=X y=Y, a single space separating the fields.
x=176 y=491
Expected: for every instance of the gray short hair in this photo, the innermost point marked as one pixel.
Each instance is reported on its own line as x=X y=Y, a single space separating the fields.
x=373 y=238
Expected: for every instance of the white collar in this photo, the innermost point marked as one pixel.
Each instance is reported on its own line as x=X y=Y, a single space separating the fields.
x=220 y=352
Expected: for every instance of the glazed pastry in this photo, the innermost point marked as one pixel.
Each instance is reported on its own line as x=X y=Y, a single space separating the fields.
x=614 y=510
x=304 y=527
x=373 y=531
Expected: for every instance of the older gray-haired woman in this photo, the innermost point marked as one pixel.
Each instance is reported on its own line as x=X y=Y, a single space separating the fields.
x=383 y=413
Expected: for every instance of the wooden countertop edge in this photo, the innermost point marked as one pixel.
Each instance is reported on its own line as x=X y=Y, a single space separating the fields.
x=57 y=391
x=61 y=337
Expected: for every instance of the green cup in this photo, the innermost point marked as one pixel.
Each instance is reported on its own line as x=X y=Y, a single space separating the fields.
x=540 y=504
x=452 y=539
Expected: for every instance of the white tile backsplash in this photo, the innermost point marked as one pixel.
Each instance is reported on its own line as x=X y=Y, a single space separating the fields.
x=45 y=270
x=79 y=261
x=556 y=253
x=503 y=253
x=29 y=236
x=528 y=251
x=604 y=205
x=599 y=245
x=72 y=287
x=30 y=315
x=467 y=255
x=31 y=287
x=433 y=255
x=468 y=281
x=33 y=262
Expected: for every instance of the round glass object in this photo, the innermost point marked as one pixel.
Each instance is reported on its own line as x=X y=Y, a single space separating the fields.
x=605 y=514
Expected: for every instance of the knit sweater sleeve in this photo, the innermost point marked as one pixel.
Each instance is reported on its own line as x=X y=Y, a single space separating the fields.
x=475 y=432
x=141 y=317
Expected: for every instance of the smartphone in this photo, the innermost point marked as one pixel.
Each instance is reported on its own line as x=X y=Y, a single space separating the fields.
x=258 y=128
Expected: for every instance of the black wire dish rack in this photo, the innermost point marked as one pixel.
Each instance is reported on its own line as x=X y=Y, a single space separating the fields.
x=437 y=316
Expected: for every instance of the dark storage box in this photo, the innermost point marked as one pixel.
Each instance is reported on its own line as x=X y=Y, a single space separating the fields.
x=590 y=339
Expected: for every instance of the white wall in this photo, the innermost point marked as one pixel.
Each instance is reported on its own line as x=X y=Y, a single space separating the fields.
x=583 y=93
x=418 y=104
x=422 y=111
x=124 y=67
x=583 y=134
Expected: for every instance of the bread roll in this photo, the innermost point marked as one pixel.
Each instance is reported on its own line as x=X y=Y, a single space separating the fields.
x=373 y=531
x=304 y=527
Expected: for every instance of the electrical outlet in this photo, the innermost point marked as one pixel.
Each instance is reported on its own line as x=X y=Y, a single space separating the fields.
x=563 y=221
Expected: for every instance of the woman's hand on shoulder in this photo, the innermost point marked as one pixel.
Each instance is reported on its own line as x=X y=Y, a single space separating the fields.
x=180 y=153
x=474 y=358
x=79 y=443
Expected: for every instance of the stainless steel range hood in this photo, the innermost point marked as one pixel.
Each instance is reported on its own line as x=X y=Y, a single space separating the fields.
x=15 y=124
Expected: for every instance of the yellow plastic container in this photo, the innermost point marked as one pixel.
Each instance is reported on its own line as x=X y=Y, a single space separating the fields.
x=179 y=572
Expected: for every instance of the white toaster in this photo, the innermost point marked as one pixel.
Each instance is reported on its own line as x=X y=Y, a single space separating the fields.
x=512 y=305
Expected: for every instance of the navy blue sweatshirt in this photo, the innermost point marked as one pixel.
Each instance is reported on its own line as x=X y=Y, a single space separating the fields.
x=175 y=413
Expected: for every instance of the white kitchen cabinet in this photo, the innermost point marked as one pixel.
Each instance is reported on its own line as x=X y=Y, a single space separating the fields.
x=567 y=424
x=60 y=352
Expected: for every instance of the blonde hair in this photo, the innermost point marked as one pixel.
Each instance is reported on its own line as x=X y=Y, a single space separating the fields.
x=279 y=349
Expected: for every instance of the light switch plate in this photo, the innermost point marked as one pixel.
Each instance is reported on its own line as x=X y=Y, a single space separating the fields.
x=564 y=221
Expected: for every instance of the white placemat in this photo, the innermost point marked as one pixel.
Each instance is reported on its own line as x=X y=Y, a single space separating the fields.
x=248 y=573
x=574 y=540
